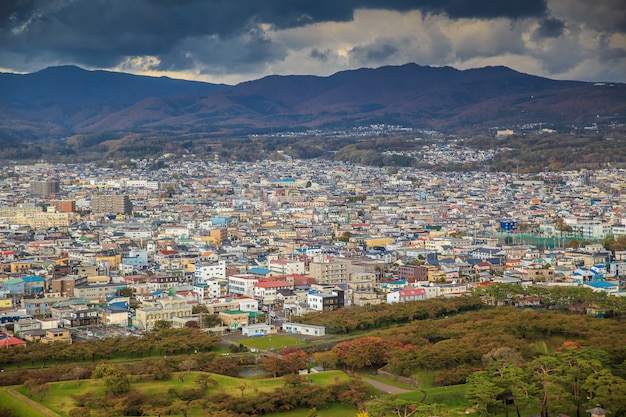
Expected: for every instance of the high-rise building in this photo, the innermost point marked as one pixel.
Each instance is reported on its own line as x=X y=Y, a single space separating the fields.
x=44 y=188
x=111 y=204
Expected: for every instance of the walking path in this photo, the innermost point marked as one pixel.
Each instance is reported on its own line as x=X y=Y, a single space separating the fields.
x=386 y=388
x=43 y=410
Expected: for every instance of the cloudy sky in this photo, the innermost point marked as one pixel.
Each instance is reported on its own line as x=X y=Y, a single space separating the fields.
x=237 y=40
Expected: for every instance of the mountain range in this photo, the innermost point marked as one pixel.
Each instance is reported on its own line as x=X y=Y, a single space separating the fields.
x=60 y=102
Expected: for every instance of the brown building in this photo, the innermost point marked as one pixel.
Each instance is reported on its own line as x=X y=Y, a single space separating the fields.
x=65 y=285
x=413 y=273
x=111 y=204
x=64 y=206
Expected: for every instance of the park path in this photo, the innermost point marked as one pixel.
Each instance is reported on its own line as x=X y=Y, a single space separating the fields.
x=385 y=388
x=43 y=410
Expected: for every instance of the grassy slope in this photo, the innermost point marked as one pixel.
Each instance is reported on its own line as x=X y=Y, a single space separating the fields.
x=59 y=399
x=16 y=406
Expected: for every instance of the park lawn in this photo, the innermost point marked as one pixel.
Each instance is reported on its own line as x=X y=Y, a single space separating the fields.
x=425 y=378
x=269 y=342
x=452 y=396
x=327 y=378
x=16 y=406
x=386 y=381
x=59 y=396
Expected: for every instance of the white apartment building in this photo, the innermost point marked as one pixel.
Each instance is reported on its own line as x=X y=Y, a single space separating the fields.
x=207 y=270
x=589 y=229
x=242 y=284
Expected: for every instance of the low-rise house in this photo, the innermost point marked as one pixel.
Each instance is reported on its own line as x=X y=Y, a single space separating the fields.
x=261 y=329
x=114 y=316
x=409 y=294
x=8 y=341
x=267 y=291
x=57 y=335
x=304 y=329
x=235 y=319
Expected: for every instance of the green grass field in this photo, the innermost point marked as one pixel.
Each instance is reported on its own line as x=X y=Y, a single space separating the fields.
x=17 y=406
x=270 y=342
x=59 y=397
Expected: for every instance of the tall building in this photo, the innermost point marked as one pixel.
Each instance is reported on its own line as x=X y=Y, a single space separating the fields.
x=331 y=272
x=111 y=204
x=44 y=188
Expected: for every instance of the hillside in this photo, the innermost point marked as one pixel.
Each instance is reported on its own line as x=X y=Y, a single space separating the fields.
x=63 y=101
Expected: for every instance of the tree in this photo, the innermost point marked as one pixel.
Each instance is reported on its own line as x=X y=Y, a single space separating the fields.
x=576 y=364
x=162 y=325
x=546 y=376
x=274 y=365
x=116 y=378
x=37 y=388
x=77 y=373
x=158 y=368
x=482 y=392
x=294 y=360
x=573 y=243
x=205 y=381
x=327 y=360
x=607 y=389
x=362 y=352
x=187 y=365
x=80 y=412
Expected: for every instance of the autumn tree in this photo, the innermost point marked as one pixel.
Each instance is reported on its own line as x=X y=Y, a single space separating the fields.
x=362 y=352
x=187 y=365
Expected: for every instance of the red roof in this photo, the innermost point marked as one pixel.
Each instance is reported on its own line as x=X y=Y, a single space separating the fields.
x=11 y=341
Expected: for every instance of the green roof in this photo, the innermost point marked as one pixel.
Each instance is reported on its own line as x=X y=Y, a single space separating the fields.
x=234 y=312
x=13 y=281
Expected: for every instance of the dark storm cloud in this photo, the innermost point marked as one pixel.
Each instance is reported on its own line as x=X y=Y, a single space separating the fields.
x=550 y=28
x=373 y=53
x=320 y=55
x=105 y=32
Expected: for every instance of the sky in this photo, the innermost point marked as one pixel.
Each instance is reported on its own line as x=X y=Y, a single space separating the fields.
x=231 y=41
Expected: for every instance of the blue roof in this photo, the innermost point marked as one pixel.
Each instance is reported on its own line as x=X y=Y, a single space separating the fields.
x=601 y=284
x=259 y=271
x=35 y=278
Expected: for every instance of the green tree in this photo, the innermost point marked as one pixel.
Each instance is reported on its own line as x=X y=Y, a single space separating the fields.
x=607 y=389
x=483 y=393
x=116 y=378
x=575 y=366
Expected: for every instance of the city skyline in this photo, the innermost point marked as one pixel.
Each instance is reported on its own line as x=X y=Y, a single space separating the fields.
x=235 y=41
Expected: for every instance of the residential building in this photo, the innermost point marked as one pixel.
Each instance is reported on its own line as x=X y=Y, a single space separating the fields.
x=111 y=204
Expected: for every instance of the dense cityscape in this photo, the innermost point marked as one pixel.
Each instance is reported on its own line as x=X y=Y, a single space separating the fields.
x=213 y=231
